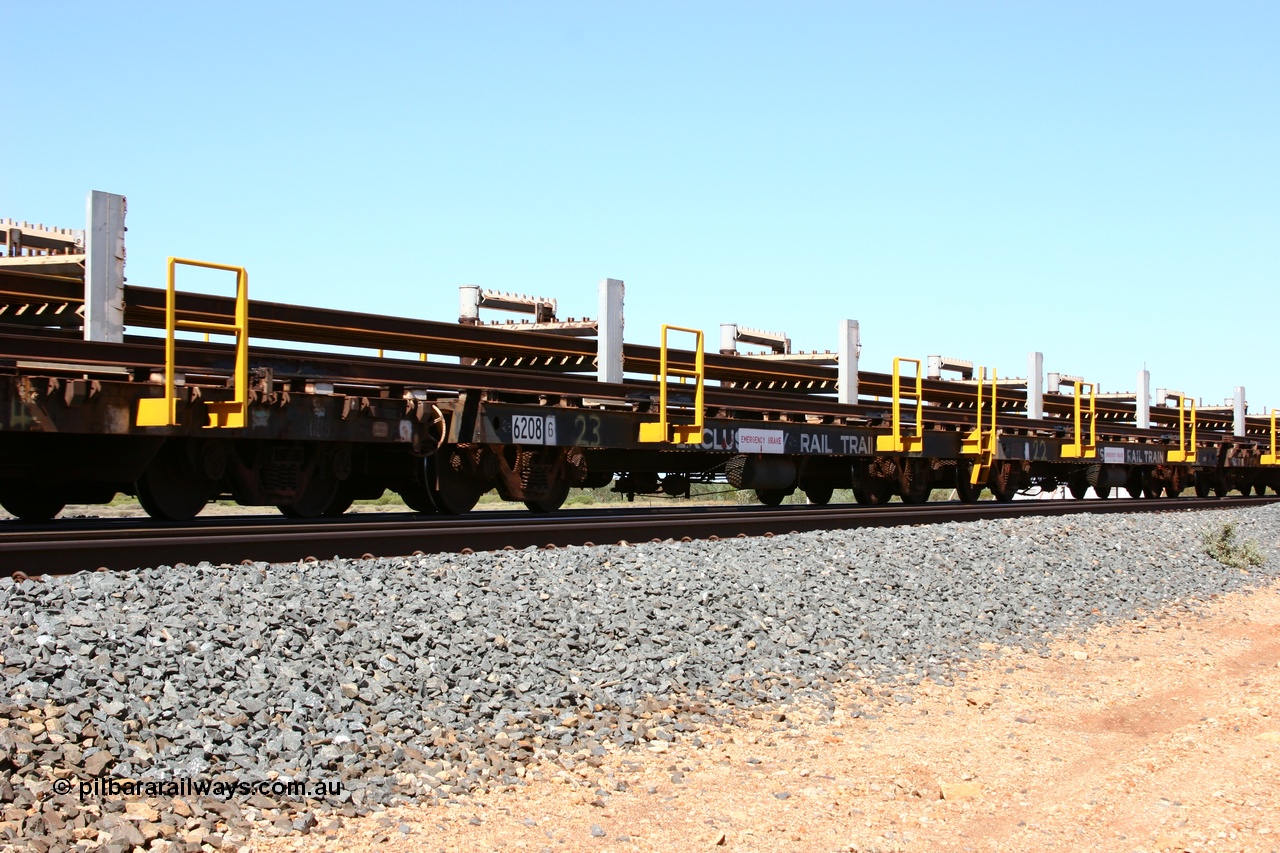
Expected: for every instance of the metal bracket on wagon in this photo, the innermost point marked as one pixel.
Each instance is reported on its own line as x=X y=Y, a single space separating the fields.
x=231 y=414
x=664 y=430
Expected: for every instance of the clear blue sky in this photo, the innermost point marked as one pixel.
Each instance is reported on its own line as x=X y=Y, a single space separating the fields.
x=1098 y=181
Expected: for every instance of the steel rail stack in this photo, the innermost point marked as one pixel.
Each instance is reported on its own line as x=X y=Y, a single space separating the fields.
x=529 y=409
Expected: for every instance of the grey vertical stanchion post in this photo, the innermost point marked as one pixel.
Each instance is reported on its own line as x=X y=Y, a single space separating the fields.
x=1035 y=386
x=847 y=365
x=104 y=268
x=1241 y=410
x=728 y=338
x=469 y=305
x=609 y=337
x=1144 y=399
x=468 y=313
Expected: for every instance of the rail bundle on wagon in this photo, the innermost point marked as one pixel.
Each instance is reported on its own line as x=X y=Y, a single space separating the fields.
x=530 y=409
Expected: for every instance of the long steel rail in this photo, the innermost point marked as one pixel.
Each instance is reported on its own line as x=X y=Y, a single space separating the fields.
x=148 y=354
x=73 y=546
x=794 y=382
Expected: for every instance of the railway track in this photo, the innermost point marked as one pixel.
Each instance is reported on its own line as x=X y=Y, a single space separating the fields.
x=123 y=544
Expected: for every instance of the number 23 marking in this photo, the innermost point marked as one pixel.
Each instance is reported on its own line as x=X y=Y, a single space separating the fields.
x=588 y=430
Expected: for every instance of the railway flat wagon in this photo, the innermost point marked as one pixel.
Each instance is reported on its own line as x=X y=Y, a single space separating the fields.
x=181 y=398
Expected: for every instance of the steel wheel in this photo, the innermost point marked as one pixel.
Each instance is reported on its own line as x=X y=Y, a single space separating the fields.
x=455 y=492
x=1078 y=485
x=966 y=491
x=416 y=498
x=819 y=495
x=1134 y=484
x=1202 y=484
x=916 y=497
x=868 y=490
x=872 y=492
x=914 y=481
x=171 y=489
x=321 y=493
x=30 y=504
x=771 y=497
x=1004 y=483
x=547 y=478
x=342 y=501
x=553 y=500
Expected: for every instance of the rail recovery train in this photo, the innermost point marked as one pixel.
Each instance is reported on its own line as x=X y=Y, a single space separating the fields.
x=182 y=398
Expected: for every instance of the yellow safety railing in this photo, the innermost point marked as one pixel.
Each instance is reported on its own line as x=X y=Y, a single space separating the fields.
x=897 y=442
x=979 y=443
x=1077 y=449
x=1185 y=452
x=422 y=356
x=231 y=414
x=1272 y=458
x=664 y=430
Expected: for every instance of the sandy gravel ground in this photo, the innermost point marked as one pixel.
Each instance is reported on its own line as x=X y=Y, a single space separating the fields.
x=1156 y=735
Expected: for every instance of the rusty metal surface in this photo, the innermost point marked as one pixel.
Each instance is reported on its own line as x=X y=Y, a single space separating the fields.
x=366 y=376
x=754 y=381
x=145 y=306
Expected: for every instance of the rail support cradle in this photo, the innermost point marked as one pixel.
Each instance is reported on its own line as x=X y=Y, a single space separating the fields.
x=160 y=395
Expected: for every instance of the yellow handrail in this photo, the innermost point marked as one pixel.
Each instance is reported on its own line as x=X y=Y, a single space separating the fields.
x=230 y=414
x=664 y=430
x=1078 y=449
x=985 y=447
x=982 y=380
x=1272 y=458
x=1185 y=453
x=995 y=389
x=975 y=442
x=979 y=442
x=897 y=442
